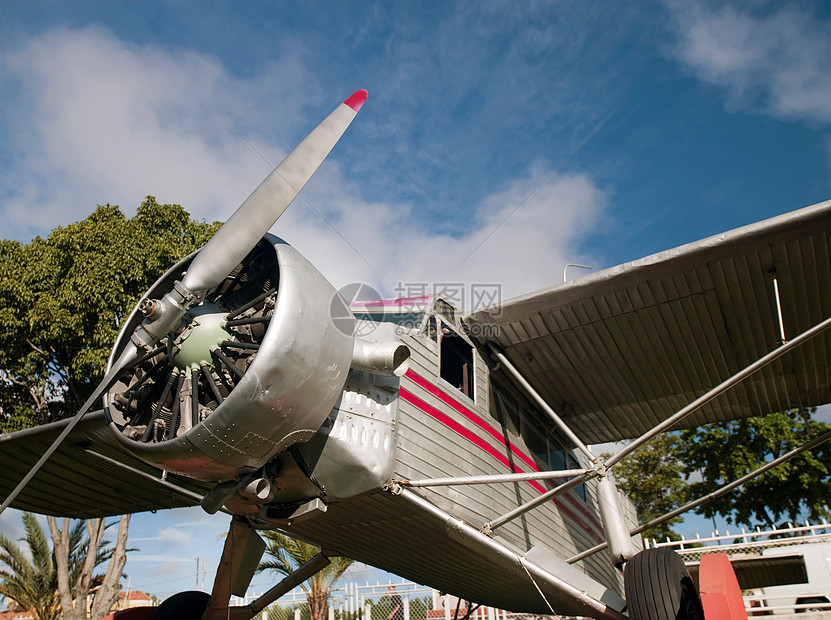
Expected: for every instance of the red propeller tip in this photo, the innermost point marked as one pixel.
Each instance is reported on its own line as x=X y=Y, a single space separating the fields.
x=356 y=99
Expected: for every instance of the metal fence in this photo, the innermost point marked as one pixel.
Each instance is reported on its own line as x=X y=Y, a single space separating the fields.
x=375 y=602
x=811 y=541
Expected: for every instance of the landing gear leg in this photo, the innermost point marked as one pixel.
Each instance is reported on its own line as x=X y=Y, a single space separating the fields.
x=658 y=587
x=240 y=557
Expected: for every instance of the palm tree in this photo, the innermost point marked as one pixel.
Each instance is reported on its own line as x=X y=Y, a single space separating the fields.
x=285 y=555
x=32 y=584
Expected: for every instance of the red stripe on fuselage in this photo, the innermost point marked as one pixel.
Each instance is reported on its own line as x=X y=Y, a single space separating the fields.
x=487 y=447
x=502 y=439
x=455 y=426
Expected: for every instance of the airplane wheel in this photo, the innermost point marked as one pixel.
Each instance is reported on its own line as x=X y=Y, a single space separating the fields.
x=188 y=605
x=658 y=587
x=821 y=601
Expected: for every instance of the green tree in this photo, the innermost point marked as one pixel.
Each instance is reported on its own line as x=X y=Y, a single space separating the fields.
x=653 y=478
x=797 y=489
x=276 y=612
x=284 y=555
x=419 y=608
x=657 y=476
x=62 y=299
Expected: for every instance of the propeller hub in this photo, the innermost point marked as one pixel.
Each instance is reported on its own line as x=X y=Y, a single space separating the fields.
x=204 y=332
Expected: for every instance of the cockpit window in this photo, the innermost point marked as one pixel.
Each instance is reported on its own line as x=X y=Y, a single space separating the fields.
x=431 y=328
x=456 y=362
x=446 y=310
x=549 y=447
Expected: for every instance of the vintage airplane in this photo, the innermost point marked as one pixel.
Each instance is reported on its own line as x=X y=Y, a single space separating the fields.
x=448 y=448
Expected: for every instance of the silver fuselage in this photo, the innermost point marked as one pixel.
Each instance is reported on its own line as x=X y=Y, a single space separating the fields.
x=385 y=431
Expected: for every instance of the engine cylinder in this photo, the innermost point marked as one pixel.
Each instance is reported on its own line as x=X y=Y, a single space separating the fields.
x=212 y=407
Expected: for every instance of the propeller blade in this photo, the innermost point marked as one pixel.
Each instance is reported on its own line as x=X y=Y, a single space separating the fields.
x=222 y=253
x=261 y=209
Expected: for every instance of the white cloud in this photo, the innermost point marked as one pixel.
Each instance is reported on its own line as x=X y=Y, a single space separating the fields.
x=171 y=537
x=102 y=120
x=99 y=121
x=779 y=64
x=520 y=246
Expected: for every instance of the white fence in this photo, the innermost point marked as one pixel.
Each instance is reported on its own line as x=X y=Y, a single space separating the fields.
x=812 y=542
x=373 y=602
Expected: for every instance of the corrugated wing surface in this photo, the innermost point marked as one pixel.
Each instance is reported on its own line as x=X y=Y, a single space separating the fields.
x=76 y=483
x=619 y=351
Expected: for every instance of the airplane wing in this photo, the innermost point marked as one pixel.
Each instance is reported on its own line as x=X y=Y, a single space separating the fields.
x=90 y=475
x=620 y=350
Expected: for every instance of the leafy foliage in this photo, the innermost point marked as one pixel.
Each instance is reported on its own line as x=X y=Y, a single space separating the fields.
x=31 y=583
x=62 y=299
x=676 y=468
x=276 y=612
x=792 y=491
x=284 y=555
x=419 y=606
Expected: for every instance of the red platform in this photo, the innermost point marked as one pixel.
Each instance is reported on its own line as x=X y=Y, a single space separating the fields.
x=721 y=597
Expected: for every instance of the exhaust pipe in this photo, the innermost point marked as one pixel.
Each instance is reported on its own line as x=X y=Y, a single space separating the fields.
x=389 y=359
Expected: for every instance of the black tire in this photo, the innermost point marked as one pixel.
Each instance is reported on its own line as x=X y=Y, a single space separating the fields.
x=188 y=605
x=658 y=587
x=820 y=601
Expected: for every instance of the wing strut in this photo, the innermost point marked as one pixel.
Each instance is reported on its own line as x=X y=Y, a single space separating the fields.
x=618 y=539
x=520 y=477
x=540 y=499
x=587 y=596
x=711 y=496
x=611 y=515
x=108 y=380
x=545 y=406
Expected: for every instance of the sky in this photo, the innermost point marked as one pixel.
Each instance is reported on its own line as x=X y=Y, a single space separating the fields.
x=500 y=140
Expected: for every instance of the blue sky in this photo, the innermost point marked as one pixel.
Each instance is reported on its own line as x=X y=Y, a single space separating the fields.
x=500 y=140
